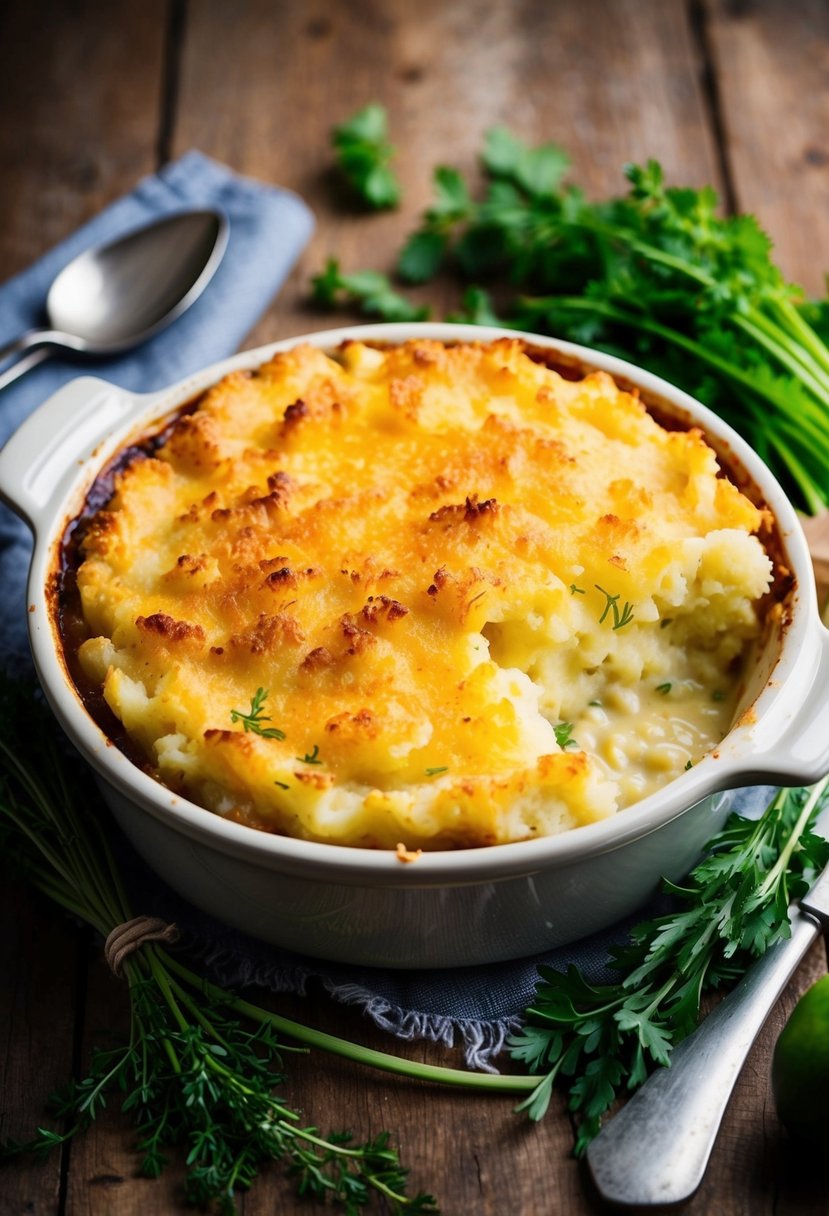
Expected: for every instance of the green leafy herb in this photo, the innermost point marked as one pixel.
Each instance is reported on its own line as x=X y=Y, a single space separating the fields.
x=563 y=733
x=283 y=785
x=688 y=765
x=621 y=616
x=201 y=1071
x=253 y=719
x=654 y=274
x=433 y=772
x=311 y=757
x=718 y=695
x=195 y=1078
x=364 y=153
x=371 y=292
x=604 y=1038
x=664 y=688
x=574 y=590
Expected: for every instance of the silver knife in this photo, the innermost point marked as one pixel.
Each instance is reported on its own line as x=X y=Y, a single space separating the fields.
x=654 y=1152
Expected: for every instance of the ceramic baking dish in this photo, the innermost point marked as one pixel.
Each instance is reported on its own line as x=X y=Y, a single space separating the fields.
x=453 y=908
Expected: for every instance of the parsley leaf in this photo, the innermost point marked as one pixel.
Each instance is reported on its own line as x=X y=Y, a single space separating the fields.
x=654 y=274
x=564 y=735
x=368 y=289
x=732 y=907
x=363 y=153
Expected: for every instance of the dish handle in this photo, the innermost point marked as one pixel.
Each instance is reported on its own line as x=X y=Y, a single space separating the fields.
x=800 y=755
x=41 y=457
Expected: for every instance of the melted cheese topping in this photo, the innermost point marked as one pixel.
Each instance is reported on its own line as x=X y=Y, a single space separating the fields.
x=424 y=559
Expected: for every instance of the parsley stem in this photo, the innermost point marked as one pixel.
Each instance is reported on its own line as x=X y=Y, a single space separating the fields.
x=793 y=842
x=791 y=316
x=354 y=1051
x=780 y=346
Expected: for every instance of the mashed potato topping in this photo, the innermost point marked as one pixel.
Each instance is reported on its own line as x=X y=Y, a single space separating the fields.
x=429 y=594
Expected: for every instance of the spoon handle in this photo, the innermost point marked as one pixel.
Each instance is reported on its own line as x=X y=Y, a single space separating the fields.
x=654 y=1152
x=24 y=364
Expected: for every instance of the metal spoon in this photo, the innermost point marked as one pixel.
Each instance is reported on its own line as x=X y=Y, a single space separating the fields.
x=117 y=295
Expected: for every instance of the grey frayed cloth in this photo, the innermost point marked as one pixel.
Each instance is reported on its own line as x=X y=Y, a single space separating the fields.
x=268 y=229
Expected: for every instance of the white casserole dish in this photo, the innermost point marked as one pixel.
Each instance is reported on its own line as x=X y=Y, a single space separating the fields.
x=452 y=908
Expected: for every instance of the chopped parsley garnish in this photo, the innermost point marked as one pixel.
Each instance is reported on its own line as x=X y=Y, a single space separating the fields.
x=718 y=695
x=598 y=704
x=253 y=719
x=433 y=772
x=283 y=785
x=688 y=764
x=311 y=757
x=664 y=688
x=574 y=590
x=620 y=617
x=564 y=735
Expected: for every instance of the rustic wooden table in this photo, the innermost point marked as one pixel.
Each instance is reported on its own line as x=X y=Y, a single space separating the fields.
x=95 y=94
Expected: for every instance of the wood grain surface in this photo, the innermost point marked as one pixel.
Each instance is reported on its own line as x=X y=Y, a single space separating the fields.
x=92 y=95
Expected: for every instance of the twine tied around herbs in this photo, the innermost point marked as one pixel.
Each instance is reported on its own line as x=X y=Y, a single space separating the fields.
x=132 y=934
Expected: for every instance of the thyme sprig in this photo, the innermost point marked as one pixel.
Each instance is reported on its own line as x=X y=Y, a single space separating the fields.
x=621 y=616
x=253 y=719
x=312 y=757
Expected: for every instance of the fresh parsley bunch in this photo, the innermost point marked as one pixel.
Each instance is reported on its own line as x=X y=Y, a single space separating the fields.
x=603 y=1039
x=364 y=153
x=655 y=275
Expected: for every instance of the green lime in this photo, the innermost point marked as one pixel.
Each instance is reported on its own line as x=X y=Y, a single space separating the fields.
x=800 y=1068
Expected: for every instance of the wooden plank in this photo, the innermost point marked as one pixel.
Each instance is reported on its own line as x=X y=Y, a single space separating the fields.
x=38 y=999
x=105 y=1175
x=611 y=82
x=79 y=91
x=770 y=63
x=80 y=86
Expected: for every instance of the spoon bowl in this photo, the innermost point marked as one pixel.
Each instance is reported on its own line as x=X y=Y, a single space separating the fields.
x=115 y=296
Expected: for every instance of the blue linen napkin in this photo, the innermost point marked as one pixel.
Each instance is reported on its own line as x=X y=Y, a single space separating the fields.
x=268 y=229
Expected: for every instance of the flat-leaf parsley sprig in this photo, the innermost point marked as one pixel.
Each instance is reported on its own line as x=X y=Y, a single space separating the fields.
x=602 y=1039
x=655 y=274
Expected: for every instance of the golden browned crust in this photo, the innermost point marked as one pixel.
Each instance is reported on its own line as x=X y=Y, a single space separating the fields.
x=414 y=553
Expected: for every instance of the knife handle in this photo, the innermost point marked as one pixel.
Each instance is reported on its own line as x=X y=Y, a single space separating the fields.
x=655 y=1150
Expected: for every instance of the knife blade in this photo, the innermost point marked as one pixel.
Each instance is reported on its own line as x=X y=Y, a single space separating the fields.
x=655 y=1151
